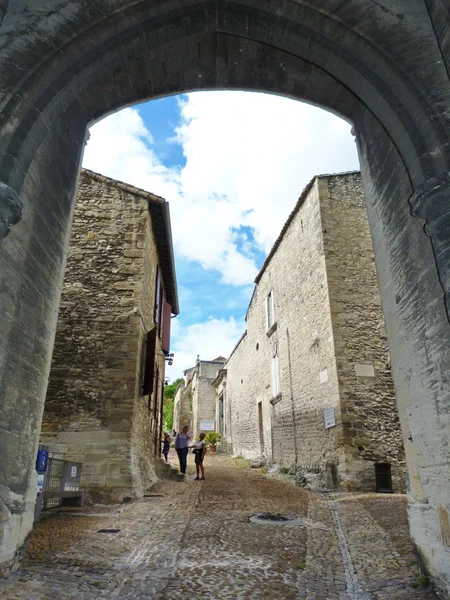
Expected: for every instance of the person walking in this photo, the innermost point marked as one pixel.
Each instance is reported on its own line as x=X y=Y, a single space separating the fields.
x=200 y=451
x=181 y=446
x=166 y=445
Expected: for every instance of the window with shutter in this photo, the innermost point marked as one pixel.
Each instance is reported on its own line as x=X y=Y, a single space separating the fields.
x=150 y=353
x=161 y=310
x=157 y=311
x=166 y=327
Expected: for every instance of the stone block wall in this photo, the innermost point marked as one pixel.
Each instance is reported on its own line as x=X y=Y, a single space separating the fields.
x=331 y=347
x=196 y=401
x=245 y=393
x=94 y=411
x=183 y=407
x=204 y=395
x=369 y=413
x=292 y=424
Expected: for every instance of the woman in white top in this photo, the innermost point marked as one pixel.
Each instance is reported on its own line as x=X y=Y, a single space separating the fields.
x=200 y=451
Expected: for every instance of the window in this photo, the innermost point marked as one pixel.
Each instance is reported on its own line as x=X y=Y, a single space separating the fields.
x=150 y=353
x=275 y=374
x=159 y=295
x=383 y=477
x=270 y=311
x=166 y=327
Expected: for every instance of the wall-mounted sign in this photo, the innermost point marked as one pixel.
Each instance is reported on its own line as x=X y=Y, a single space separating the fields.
x=73 y=472
x=40 y=483
x=364 y=370
x=206 y=425
x=323 y=376
x=329 y=418
x=42 y=461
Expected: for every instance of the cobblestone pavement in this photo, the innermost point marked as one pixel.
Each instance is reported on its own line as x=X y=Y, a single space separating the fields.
x=195 y=539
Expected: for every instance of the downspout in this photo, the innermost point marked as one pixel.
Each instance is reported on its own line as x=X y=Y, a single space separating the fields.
x=294 y=428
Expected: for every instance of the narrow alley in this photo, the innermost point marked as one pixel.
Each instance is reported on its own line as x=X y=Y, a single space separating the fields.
x=195 y=539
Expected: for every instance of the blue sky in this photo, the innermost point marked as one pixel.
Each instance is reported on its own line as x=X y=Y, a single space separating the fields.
x=231 y=165
x=162 y=117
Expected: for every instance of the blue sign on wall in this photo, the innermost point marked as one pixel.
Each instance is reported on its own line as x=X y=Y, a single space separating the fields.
x=42 y=461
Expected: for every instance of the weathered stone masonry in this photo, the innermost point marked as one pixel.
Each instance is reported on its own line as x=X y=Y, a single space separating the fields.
x=196 y=400
x=95 y=411
x=330 y=344
x=384 y=66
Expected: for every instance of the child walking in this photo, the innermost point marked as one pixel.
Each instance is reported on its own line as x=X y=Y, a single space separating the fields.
x=166 y=445
x=200 y=451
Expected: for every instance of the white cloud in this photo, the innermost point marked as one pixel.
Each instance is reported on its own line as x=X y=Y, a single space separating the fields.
x=120 y=147
x=259 y=151
x=248 y=156
x=213 y=338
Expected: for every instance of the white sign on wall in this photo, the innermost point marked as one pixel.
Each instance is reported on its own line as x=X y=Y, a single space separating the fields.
x=40 y=483
x=329 y=418
x=73 y=471
x=323 y=376
x=206 y=425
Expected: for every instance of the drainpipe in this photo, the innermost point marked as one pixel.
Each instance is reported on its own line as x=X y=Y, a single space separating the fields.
x=294 y=429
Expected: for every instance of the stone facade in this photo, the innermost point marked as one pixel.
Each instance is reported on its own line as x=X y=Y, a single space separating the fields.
x=182 y=406
x=76 y=66
x=220 y=384
x=105 y=392
x=196 y=401
x=315 y=345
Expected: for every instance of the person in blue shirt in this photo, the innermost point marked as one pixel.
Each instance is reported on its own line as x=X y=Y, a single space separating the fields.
x=181 y=446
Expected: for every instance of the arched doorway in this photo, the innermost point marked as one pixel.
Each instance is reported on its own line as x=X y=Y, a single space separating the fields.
x=381 y=68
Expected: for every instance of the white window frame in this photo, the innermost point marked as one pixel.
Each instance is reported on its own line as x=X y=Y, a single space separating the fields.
x=275 y=374
x=270 y=311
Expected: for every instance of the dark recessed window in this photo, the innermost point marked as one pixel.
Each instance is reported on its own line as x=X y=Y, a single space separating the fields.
x=257 y=346
x=383 y=477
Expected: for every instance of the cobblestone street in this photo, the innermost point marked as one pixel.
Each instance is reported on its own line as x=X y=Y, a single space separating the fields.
x=195 y=539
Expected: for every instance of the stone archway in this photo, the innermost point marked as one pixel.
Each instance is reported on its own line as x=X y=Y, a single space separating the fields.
x=381 y=65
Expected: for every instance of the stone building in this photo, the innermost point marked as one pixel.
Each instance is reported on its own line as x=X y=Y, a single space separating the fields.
x=309 y=384
x=105 y=392
x=195 y=401
x=182 y=406
x=220 y=383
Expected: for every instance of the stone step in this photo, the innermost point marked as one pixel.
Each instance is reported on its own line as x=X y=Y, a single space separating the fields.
x=167 y=471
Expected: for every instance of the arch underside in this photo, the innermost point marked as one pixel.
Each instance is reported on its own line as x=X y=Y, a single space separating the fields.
x=379 y=68
x=144 y=51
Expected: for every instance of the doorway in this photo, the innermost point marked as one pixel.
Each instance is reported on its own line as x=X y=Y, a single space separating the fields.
x=383 y=477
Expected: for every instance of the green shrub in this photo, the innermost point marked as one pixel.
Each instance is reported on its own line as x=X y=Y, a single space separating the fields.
x=421 y=582
x=212 y=438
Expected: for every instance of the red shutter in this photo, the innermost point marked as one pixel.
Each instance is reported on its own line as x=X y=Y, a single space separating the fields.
x=150 y=353
x=161 y=309
x=157 y=310
x=166 y=327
